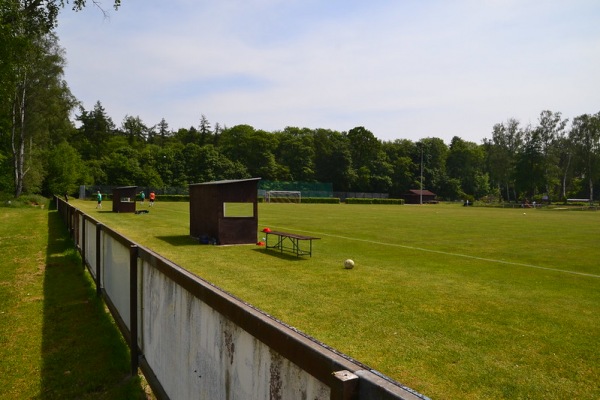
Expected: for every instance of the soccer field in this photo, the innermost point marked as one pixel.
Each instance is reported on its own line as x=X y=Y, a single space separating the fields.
x=454 y=302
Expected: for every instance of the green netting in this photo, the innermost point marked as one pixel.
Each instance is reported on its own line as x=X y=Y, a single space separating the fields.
x=308 y=189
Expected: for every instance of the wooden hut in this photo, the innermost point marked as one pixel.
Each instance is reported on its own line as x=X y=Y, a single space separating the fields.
x=124 y=199
x=414 y=197
x=224 y=212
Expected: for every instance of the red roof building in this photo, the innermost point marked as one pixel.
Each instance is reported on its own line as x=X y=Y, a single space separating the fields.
x=415 y=196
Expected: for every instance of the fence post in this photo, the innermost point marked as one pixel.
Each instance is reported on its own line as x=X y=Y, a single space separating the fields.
x=133 y=305
x=347 y=386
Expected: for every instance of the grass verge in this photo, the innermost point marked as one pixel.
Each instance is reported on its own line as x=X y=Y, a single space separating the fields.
x=56 y=339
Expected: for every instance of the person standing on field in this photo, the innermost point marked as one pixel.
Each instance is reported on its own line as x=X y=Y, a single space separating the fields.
x=143 y=196
x=99 y=197
x=152 y=197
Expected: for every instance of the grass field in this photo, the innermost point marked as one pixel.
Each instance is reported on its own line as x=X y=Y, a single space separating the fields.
x=57 y=341
x=454 y=302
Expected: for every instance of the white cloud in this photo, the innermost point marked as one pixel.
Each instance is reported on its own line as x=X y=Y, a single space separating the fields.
x=400 y=69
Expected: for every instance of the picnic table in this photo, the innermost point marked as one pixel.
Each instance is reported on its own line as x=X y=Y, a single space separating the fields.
x=285 y=241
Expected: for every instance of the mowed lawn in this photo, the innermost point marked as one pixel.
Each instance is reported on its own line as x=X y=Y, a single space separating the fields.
x=454 y=302
x=57 y=341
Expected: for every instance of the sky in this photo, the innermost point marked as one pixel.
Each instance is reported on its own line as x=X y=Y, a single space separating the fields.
x=403 y=69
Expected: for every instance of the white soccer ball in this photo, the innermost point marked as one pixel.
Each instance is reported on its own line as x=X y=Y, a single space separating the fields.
x=348 y=264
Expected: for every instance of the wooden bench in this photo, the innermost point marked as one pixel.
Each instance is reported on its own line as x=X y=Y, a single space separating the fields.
x=290 y=242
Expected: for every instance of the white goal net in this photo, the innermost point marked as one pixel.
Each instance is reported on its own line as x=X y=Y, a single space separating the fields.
x=283 y=196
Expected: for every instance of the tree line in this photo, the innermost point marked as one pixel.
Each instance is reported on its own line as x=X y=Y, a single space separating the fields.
x=43 y=151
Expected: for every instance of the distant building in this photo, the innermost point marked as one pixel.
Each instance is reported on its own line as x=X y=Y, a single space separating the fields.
x=414 y=197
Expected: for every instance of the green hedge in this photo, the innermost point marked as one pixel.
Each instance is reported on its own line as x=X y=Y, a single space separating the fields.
x=374 y=201
x=306 y=200
x=172 y=197
x=321 y=200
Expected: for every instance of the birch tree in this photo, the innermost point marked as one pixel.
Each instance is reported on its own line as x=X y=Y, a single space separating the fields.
x=26 y=28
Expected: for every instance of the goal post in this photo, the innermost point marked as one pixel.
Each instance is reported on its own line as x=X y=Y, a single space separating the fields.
x=283 y=196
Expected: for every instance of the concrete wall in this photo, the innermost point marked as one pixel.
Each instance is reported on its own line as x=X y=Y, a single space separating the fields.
x=192 y=340
x=116 y=275
x=89 y=247
x=200 y=354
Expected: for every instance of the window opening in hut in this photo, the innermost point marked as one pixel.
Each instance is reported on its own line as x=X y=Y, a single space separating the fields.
x=238 y=210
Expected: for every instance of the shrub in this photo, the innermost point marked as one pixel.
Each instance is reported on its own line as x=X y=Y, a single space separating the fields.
x=307 y=200
x=352 y=200
x=321 y=200
x=26 y=200
x=172 y=197
x=388 y=201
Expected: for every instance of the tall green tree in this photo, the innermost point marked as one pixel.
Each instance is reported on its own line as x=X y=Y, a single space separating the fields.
x=550 y=129
x=382 y=171
x=170 y=165
x=205 y=132
x=295 y=153
x=66 y=170
x=186 y=136
x=364 y=146
x=399 y=154
x=27 y=53
x=207 y=163
x=39 y=109
x=163 y=133
x=565 y=163
x=333 y=159
x=253 y=148
x=135 y=130
x=430 y=155
x=501 y=153
x=529 y=170
x=465 y=163
x=217 y=133
x=585 y=136
x=95 y=133
x=123 y=168
x=372 y=165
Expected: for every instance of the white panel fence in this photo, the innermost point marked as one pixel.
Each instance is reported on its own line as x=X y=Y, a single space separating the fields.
x=192 y=340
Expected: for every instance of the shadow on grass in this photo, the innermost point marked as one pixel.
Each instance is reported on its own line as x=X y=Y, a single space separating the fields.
x=279 y=254
x=83 y=353
x=179 y=240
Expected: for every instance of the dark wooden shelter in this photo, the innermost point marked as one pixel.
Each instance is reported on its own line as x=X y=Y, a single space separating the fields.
x=225 y=212
x=124 y=199
x=414 y=197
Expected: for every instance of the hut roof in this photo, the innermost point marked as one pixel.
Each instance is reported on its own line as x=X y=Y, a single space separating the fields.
x=224 y=182
x=419 y=192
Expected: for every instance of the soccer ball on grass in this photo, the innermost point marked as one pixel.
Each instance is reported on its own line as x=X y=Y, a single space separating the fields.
x=348 y=264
